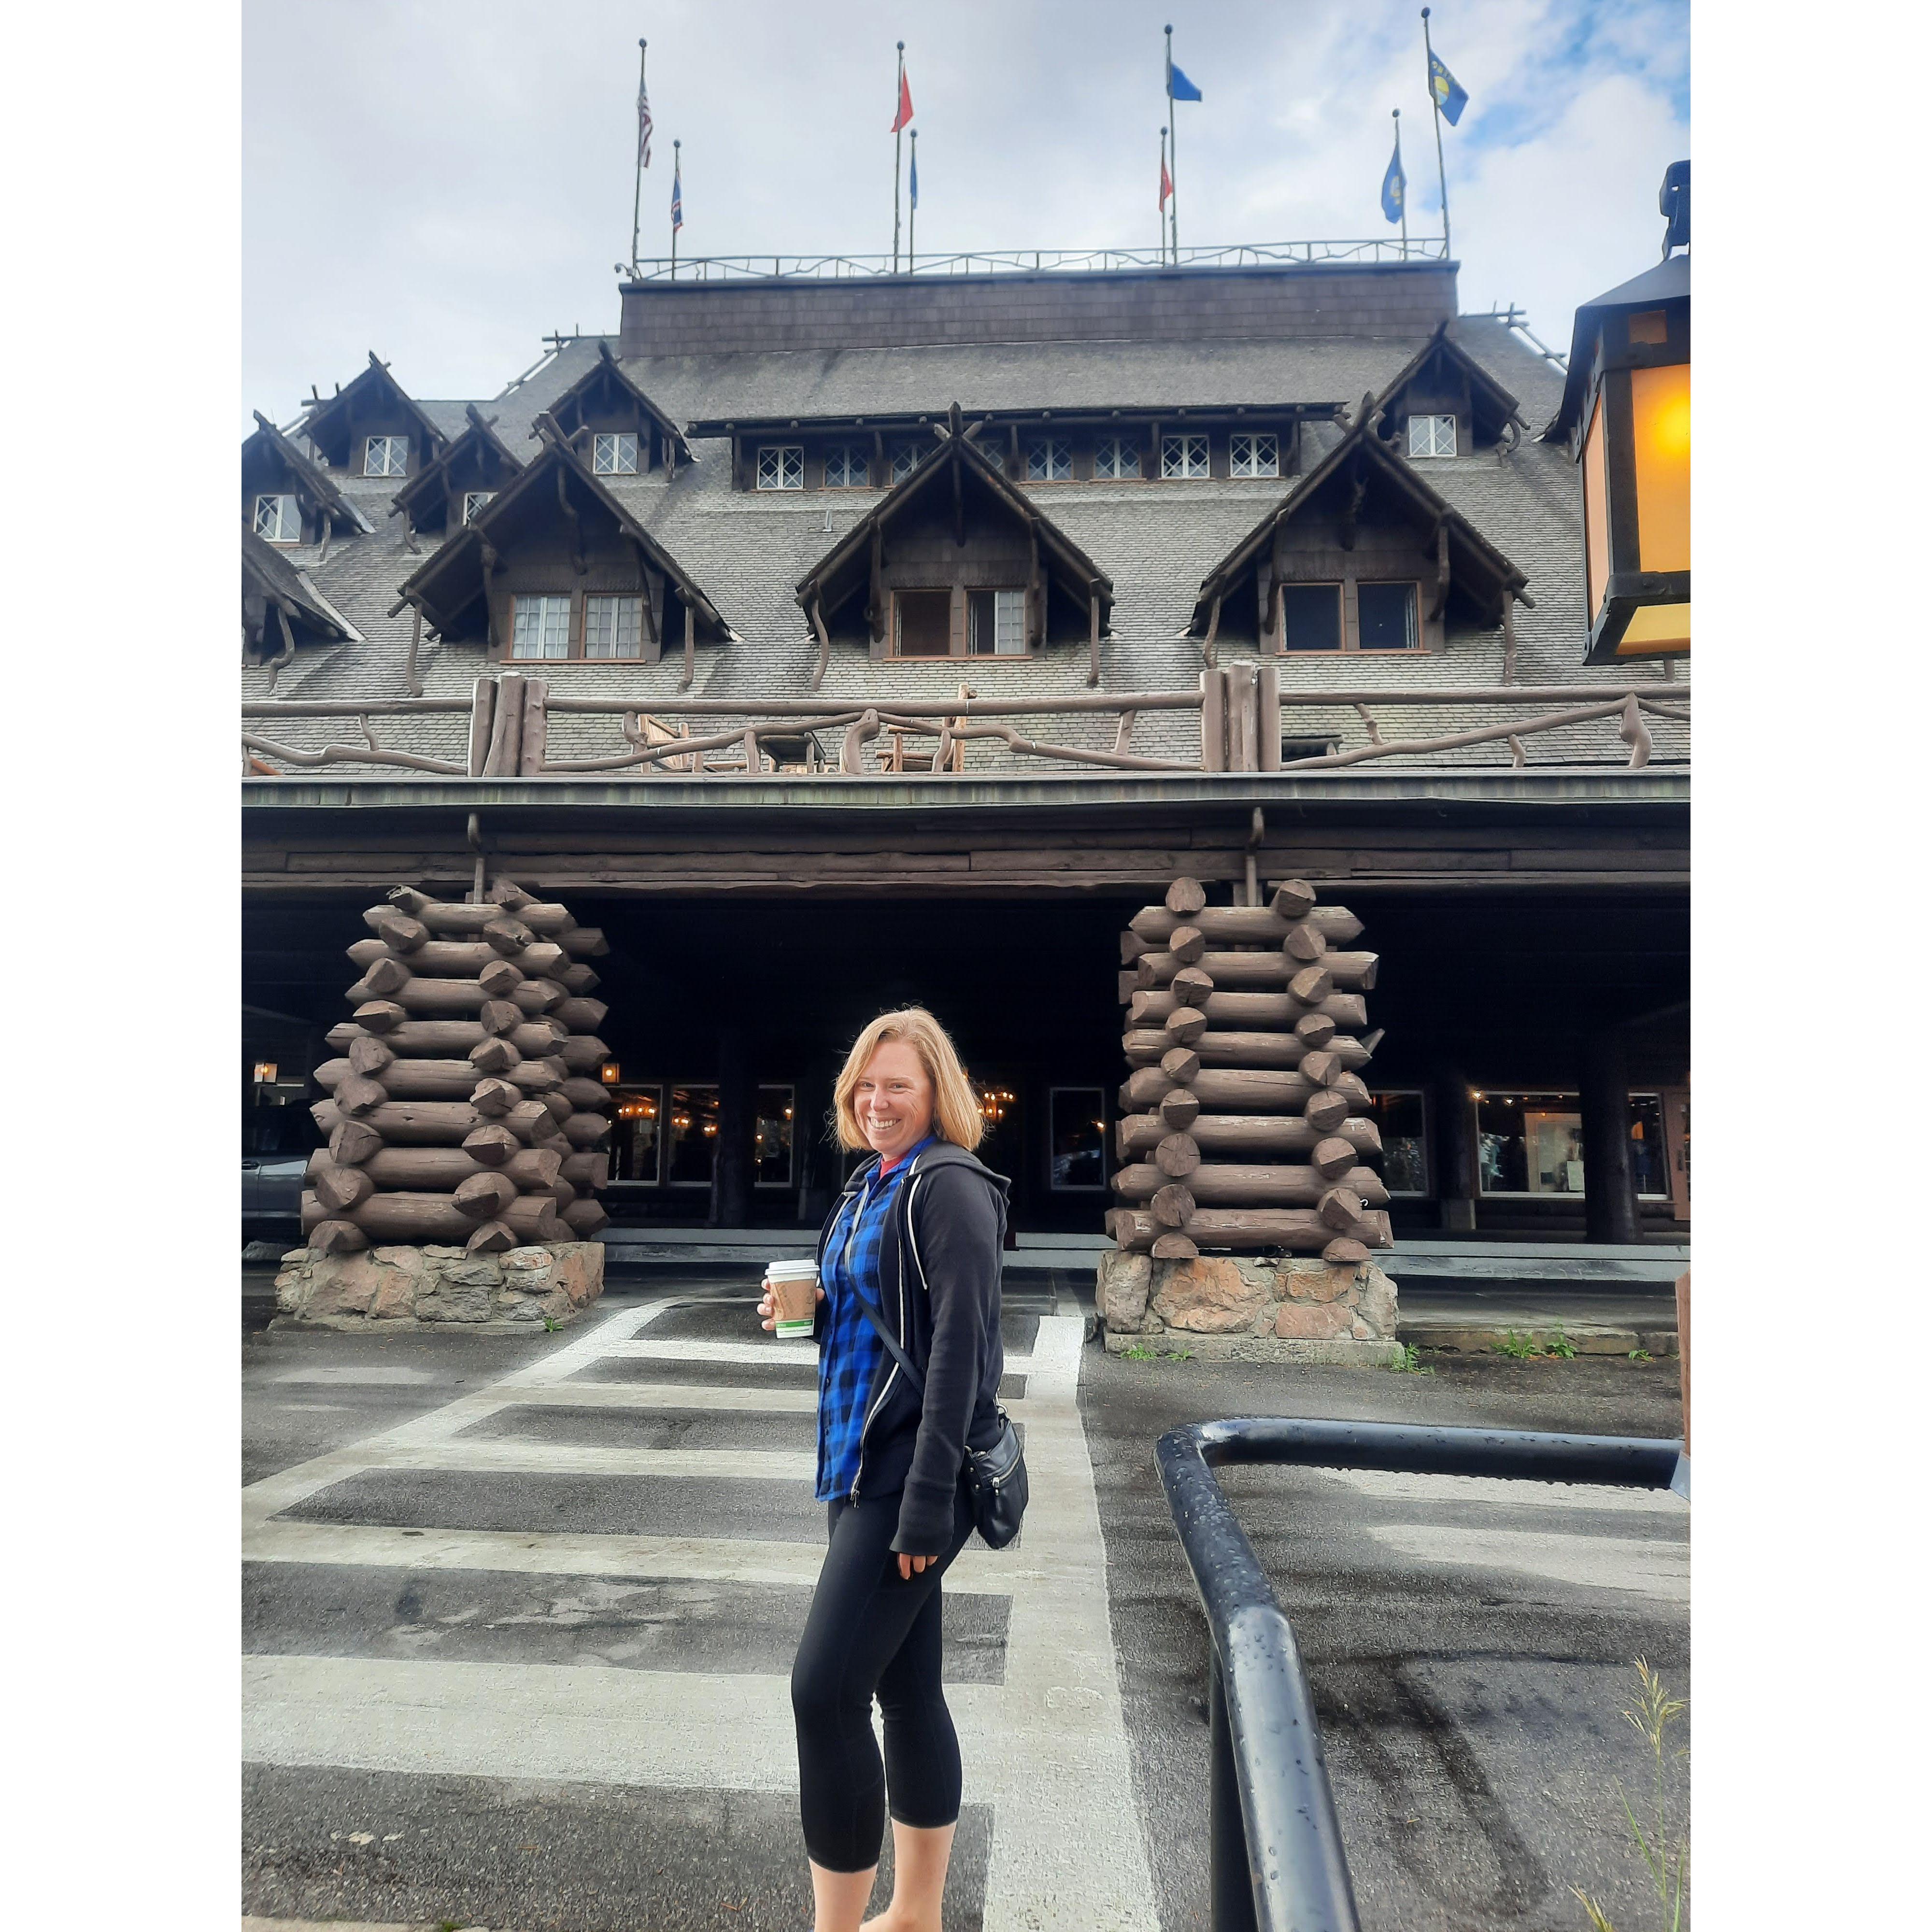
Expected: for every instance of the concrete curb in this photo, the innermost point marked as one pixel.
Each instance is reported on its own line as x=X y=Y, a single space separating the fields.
x=1586 y=1338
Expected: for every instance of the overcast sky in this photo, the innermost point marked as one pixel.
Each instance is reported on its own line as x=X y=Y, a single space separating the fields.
x=445 y=181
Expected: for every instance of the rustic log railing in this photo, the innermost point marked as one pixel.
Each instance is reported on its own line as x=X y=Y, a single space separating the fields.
x=1242 y=708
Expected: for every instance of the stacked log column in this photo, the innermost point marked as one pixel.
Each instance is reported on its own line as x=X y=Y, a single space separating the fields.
x=465 y=1106
x=1244 y=1125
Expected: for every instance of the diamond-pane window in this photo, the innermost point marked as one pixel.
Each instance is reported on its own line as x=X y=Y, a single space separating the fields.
x=614 y=455
x=541 y=628
x=1254 y=453
x=473 y=501
x=278 y=520
x=1049 y=460
x=386 y=456
x=1184 y=456
x=846 y=467
x=781 y=465
x=613 y=626
x=1432 y=436
x=1115 y=456
x=905 y=459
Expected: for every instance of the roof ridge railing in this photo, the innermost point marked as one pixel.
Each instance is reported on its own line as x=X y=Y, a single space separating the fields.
x=1276 y=1862
x=1026 y=261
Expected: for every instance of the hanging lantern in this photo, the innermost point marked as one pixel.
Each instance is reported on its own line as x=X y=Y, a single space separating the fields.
x=1627 y=413
x=609 y=1073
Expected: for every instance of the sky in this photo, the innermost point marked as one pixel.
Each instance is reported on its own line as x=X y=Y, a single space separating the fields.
x=447 y=181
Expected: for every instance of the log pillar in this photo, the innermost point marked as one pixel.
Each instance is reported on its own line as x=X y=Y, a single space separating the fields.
x=1454 y=1127
x=731 y=1172
x=1609 y=1197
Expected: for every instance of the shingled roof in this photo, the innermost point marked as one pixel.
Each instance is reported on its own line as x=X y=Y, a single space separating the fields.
x=324 y=497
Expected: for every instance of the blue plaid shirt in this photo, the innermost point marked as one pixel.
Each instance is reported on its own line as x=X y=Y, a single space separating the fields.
x=849 y=1353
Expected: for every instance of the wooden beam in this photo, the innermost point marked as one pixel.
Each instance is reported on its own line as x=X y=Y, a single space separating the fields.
x=815 y=610
x=690 y=646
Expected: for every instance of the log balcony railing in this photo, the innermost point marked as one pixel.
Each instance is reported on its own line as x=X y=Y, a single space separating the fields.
x=508 y=734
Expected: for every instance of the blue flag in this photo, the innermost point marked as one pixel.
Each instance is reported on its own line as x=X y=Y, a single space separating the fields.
x=1395 y=185
x=676 y=196
x=1179 y=85
x=914 y=182
x=1449 y=95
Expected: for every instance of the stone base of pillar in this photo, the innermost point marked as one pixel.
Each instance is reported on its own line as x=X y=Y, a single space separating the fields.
x=391 y=1287
x=1243 y=1308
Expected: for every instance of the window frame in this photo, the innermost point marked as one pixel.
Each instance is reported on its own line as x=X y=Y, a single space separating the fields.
x=1115 y=447
x=1185 y=438
x=568 y=599
x=618 y=438
x=846 y=452
x=787 y=1087
x=278 y=497
x=1099 y=1186
x=388 y=442
x=1433 y=454
x=1255 y=438
x=779 y=451
x=904 y=460
x=996 y=592
x=671 y=1087
x=474 y=501
x=583 y=627
x=1426 y=1191
x=1477 y=1096
x=894 y=627
x=641 y=1090
x=1352 y=644
x=579 y=626
x=1054 y=448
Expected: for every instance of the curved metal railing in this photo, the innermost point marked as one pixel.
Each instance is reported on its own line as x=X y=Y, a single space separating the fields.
x=1276 y=1860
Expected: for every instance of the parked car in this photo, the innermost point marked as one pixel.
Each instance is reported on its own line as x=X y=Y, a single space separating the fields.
x=272 y=1189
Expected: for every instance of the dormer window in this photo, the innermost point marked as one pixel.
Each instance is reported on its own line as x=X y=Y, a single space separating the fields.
x=614 y=454
x=1115 y=456
x=540 y=628
x=278 y=521
x=1254 y=453
x=1049 y=460
x=1432 y=436
x=386 y=456
x=1184 y=456
x=613 y=627
x=905 y=459
x=473 y=501
x=846 y=467
x=996 y=623
x=781 y=465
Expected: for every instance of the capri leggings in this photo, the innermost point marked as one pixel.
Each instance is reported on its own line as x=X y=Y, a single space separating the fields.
x=871 y=1632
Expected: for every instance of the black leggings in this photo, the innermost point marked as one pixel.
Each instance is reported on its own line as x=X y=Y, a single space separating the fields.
x=871 y=1631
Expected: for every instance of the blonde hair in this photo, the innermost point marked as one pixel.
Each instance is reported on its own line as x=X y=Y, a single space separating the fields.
x=955 y=1107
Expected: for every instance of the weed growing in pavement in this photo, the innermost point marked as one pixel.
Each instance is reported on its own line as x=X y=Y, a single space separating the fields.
x=1641 y=1355
x=549 y=1325
x=1560 y=1344
x=1518 y=1348
x=1137 y=1354
x=1410 y=1362
x=1667 y=1857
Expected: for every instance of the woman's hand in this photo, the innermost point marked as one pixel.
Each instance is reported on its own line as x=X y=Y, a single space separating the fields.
x=767 y=1310
x=910 y=1566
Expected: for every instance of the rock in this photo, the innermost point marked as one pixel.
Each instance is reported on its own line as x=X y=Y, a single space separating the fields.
x=1120 y=1287
x=455 y=1302
x=395 y=1298
x=442 y=1254
x=511 y=1306
x=555 y=1305
x=1309 y=1321
x=1377 y=1301
x=1315 y=1281
x=1206 y=1296
x=483 y=1273
x=519 y=1258
x=411 y=1258
x=1263 y=1323
x=343 y=1284
x=580 y=1271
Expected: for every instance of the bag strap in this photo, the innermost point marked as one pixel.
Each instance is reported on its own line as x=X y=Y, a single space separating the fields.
x=899 y=1354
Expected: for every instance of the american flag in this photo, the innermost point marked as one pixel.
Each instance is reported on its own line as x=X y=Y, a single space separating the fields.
x=643 y=127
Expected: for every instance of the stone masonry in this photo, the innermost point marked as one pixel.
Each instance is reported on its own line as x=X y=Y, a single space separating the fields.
x=426 y=1287
x=1248 y=1308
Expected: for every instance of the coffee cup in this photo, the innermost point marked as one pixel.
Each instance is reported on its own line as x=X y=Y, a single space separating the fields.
x=794 y=1289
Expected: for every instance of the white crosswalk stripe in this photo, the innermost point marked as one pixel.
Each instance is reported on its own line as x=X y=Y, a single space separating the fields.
x=1040 y=1747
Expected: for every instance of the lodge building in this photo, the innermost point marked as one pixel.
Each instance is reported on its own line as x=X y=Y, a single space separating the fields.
x=839 y=641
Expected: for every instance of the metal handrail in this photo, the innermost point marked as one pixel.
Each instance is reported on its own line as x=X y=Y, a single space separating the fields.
x=1276 y=1862
x=1025 y=261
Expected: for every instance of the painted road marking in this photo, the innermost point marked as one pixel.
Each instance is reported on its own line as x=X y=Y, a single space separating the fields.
x=1644 y=1568
x=522 y=1456
x=1391 y=1486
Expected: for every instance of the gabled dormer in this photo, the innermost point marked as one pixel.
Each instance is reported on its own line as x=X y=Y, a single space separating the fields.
x=374 y=428
x=285 y=500
x=617 y=428
x=954 y=562
x=281 y=610
x=1362 y=555
x=454 y=488
x=554 y=569
x=1445 y=404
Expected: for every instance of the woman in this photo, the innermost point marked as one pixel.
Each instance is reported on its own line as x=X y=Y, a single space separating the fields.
x=917 y=1235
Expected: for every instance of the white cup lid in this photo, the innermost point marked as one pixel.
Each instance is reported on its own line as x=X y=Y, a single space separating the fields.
x=792 y=1270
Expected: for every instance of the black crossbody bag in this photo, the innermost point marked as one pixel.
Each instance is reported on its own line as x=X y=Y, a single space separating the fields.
x=997 y=1476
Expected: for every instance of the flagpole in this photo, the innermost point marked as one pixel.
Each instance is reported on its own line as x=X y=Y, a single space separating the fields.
x=912 y=207
x=1403 y=179
x=637 y=199
x=1174 y=154
x=1441 y=171
x=677 y=201
x=1169 y=180
x=898 y=138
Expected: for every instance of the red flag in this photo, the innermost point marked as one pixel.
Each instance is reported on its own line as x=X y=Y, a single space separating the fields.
x=905 y=106
x=1166 y=183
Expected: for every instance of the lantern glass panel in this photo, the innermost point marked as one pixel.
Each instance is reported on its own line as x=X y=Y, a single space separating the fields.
x=1596 y=510
x=1660 y=431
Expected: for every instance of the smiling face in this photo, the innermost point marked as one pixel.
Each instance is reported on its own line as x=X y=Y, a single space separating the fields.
x=893 y=1099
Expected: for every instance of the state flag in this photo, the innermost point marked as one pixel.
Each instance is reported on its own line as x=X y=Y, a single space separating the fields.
x=904 y=114
x=1179 y=87
x=1449 y=95
x=1166 y=184
x=1395 y=185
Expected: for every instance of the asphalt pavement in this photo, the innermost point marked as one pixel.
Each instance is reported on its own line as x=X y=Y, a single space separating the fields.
x=518 y=1611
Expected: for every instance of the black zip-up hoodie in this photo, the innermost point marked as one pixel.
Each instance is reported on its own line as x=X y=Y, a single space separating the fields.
x=939 y=1290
